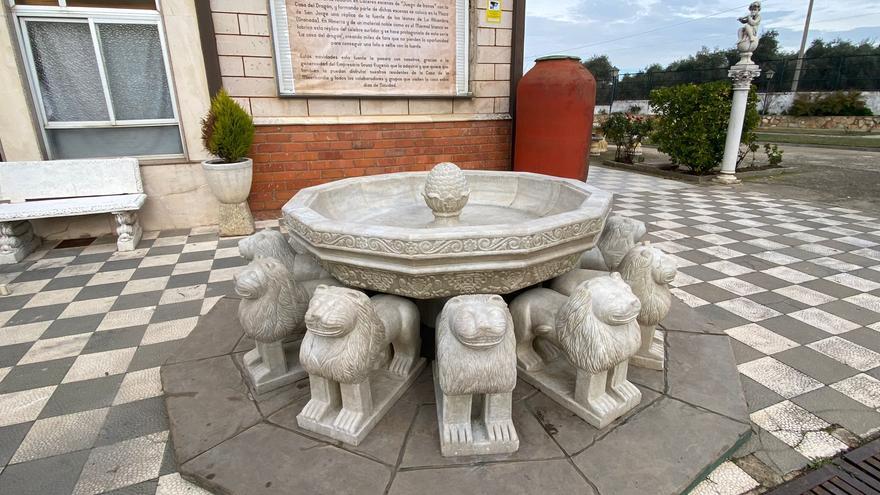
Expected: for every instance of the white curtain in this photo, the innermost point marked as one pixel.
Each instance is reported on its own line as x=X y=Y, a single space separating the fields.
x=70 y=84
x=135 y=71
x=64 y=57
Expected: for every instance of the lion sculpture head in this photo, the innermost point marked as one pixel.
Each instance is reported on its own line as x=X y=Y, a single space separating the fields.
x=270 y=243
x=597 y=326
x=272 y=305
x=620 y=235
x=649 y=271
x=476 y=346
x=345 y=338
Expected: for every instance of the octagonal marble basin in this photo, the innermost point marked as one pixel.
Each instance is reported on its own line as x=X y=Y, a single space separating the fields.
x=517 y=229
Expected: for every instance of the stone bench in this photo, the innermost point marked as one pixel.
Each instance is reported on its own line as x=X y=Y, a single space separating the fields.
x=64 y=188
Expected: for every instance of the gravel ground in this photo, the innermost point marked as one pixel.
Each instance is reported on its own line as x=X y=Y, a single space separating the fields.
x=846 y=178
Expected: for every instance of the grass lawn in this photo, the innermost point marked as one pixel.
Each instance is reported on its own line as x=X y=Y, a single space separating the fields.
x=821 y=137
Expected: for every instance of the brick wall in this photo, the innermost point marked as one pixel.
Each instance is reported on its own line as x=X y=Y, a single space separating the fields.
x=244 y=45
x=400 y=134
x=289 y=158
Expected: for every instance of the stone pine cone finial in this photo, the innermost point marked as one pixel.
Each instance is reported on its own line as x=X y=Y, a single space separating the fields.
x=446 y=190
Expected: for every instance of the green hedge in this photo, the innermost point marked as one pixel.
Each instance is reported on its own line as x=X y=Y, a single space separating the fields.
x=835 y=104
x=691 y=123
x=626 y=131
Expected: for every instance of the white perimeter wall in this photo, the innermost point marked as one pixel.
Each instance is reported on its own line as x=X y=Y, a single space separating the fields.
x=776 y=102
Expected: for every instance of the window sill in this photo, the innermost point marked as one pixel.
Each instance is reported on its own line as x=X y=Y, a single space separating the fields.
x=163 y=160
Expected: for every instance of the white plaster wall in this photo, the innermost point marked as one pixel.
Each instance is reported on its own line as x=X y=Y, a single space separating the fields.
x=624 y=106
x=18 y=135
x=187 y=71
x=74 y=227
x=776 y=102
x=177 y=197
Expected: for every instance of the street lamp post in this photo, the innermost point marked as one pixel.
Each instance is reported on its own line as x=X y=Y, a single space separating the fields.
x=615 y=72
x=768 y=75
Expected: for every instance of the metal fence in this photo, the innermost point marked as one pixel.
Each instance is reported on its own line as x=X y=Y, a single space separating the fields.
x=845 y=73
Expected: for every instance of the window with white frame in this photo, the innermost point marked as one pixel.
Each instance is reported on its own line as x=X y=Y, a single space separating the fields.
x=101 y=81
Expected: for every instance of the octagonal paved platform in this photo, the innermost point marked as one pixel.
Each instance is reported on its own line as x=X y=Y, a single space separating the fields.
x=228 y=440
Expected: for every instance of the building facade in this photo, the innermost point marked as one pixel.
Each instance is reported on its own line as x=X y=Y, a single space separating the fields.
x=86 y=78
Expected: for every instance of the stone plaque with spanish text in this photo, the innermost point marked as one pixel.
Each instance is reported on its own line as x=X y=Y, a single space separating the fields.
x=370 y=47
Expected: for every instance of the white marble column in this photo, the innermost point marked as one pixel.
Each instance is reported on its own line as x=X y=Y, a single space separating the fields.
x=742 y=76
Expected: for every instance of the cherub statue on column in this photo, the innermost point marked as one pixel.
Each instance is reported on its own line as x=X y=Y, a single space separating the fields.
x=748 y=34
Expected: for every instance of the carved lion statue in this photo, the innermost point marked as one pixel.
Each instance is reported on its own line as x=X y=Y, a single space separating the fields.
x=618 y=237
x=649 y=271
x=272 y=305
x=476 y=346
x=596 y=326
x=476 y=354
x=346 y=337
x=596 y=330
x=591 y=326
x=268 y=242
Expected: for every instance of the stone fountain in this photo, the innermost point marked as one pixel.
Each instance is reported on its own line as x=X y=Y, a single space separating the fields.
x=534 y=347
x=492 y=233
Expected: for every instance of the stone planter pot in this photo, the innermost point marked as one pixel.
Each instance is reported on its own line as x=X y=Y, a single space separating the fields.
x=231 y=184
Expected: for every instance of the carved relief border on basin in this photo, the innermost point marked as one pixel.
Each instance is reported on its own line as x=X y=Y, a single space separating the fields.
x=455 y=283
x=480 y=245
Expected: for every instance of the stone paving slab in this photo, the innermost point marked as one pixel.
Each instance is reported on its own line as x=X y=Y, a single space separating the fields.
x=268 y=459
x=228 y=439
x=698 y=372
x=519 y=478
x=207 y=402
x=659 y=450
x=221 y=341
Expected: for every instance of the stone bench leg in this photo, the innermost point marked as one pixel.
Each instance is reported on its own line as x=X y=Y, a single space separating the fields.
x=129 y=230
x=17 y=240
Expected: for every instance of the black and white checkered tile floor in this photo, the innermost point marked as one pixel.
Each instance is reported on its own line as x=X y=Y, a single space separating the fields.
x=84 y=333
x=796 y=285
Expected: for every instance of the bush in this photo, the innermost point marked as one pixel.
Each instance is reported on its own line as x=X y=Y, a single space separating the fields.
x=691 y=123
x=626 y=131
x=774 y=154
x=227 y=130
x=836 y=104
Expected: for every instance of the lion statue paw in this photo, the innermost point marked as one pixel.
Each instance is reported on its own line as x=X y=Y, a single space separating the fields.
x=458 y=432
x=501 y=431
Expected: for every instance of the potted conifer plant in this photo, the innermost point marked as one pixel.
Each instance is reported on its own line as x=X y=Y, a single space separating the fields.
x=227 y=133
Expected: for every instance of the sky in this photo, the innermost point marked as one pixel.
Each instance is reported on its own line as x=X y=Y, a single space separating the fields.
x=661 y=31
